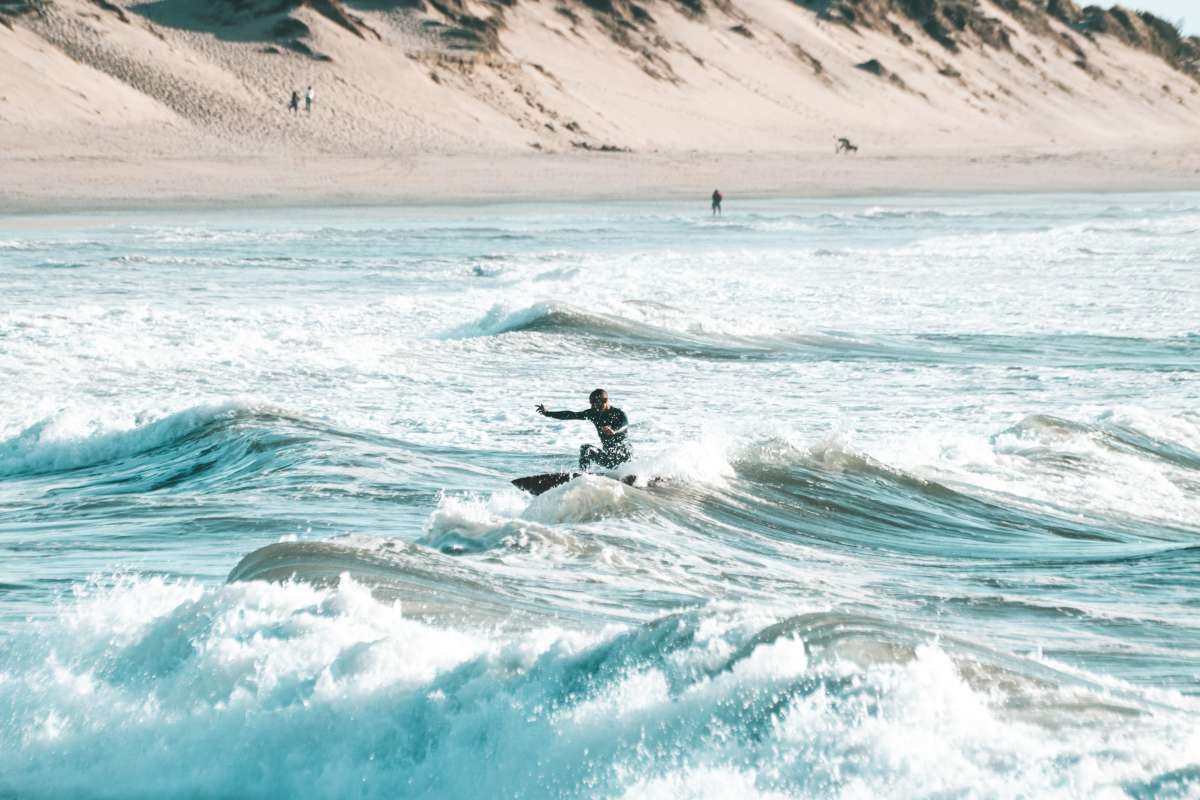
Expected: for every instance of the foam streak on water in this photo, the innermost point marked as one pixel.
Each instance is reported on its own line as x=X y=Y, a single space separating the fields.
x=926 y=520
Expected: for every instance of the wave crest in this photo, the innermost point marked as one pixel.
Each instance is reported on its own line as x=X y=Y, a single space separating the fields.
x=215 y=443
x=245 y=678
x=72 y=440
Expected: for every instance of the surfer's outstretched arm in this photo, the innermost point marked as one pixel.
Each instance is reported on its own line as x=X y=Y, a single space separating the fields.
x=541 y=409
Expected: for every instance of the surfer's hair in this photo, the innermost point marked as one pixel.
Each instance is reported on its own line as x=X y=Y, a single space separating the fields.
x=597 y=394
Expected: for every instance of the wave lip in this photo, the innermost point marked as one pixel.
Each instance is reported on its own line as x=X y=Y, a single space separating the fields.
x=212 y=448
x=560 y=318
x=1154 y=440
x=1026 y=495
x=627 y=334
x=72 y=441
x=697 y=339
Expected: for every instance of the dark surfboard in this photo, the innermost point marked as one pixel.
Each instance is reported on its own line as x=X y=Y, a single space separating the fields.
x=536 y=484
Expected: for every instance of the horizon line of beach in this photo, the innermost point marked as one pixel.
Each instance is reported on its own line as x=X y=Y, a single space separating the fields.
x=69 y=184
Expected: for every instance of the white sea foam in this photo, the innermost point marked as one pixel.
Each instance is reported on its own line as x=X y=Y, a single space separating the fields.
x=703 y=461
x=1070 y=467
x=501 y=319
x=247 y=679
x=471 y=523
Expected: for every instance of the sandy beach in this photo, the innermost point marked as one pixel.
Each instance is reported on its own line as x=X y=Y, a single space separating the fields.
x=113 y=106
x=77 y=184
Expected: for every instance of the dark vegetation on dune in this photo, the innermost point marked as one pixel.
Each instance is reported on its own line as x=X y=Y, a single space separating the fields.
x=1139 y=29
x=10 y=9
x=880 y=71
x=277 y=20
x=257 y=20
x=951 y=24
x=475 y=27
x=960 y=23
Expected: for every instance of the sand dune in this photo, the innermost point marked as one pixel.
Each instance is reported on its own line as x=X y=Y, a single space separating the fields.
x=103 y=102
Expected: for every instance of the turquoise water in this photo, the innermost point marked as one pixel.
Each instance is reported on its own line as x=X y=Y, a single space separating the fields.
x=925 y=523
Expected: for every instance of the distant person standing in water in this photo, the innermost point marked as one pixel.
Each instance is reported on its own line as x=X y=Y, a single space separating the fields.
x=611 y=424
x=308 y=100
x=294 y=103
x=716 y=200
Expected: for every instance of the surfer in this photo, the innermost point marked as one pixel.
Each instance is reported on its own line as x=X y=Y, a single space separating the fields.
x=611 y=425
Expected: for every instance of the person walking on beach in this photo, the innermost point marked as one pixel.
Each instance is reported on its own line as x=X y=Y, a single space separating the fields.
x=611 y=424
x=716 y=200
x=294 y=103
x=308 y=100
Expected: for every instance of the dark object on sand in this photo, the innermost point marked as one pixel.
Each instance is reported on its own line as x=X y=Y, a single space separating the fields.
x=844 y=145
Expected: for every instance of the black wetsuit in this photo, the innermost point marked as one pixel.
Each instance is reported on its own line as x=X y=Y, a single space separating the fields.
x=614 y=449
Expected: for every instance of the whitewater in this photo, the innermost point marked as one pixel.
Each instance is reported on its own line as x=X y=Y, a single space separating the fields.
x=926 y=520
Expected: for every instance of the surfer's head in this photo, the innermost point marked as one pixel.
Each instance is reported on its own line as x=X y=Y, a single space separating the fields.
x=598 y=399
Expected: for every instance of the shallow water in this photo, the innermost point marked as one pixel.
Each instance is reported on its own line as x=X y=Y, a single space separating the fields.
x=928 y=523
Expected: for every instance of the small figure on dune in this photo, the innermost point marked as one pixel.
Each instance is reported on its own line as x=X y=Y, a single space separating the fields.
x=717 y=197
x=294 y=103
x=308 y=100
x=844 y=146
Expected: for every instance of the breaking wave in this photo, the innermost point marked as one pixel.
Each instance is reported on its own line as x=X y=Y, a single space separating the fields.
x=153 y=678
x=692 y=340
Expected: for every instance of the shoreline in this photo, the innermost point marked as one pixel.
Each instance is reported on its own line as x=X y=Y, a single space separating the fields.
x=36 y=185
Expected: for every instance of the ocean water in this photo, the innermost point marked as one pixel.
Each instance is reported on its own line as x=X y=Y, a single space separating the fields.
x=925 y=523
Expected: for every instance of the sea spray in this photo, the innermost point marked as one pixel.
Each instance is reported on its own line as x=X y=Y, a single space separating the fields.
x=105 y=702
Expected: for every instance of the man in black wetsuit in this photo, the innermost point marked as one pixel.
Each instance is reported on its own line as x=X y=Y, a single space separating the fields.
x=610 y=423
